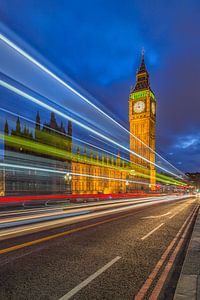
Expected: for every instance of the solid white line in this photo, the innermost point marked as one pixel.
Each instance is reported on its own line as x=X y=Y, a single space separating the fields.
x=152 y=231
x=89 y=279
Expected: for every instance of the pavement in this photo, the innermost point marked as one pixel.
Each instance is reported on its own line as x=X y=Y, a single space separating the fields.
x=108 y=257
x=188 y=286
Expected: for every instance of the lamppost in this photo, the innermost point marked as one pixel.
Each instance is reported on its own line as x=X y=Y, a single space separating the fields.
x=68 y=178
x=127 y=184
x=149 y=187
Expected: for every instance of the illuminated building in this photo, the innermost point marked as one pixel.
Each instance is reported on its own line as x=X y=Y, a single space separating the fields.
x=194 y=179
x=24 y=148
x=142 y=119
x=50 y=146
x=106 y=174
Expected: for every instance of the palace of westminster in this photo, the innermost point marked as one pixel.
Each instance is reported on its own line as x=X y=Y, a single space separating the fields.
x=79 y=170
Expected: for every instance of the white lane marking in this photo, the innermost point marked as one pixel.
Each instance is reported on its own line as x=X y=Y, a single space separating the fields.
x=154 y=217
x=177 y=212
x=89 y=279
x=152 y=231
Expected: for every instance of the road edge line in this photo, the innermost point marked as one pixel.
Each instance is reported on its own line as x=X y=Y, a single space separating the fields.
x=160 y=283
x=145 y=287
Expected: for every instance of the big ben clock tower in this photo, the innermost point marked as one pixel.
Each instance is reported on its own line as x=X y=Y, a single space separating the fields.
x=142 y=118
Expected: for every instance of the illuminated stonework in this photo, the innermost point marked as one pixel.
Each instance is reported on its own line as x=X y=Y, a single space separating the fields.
x=142 y=119
x=114 y=170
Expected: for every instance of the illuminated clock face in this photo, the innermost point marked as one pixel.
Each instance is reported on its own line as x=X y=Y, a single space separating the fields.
x=139 y=107
x=153 y=108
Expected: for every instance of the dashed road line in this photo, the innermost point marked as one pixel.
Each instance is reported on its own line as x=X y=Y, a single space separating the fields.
x=159 y=216
x=152 y=231
x=84 y=283
x=177 y=212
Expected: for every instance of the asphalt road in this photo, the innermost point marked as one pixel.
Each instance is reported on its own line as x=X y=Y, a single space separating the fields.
x=109 y=257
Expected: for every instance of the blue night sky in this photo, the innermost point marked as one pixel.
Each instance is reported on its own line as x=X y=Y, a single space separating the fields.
x=98 y=44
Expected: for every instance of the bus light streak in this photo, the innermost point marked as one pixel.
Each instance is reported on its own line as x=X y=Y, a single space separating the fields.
x=60 y=153
x=52 y=109
x=50 y=73
x=70 y=173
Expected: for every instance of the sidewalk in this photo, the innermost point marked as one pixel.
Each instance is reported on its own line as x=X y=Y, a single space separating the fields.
x=188 y=286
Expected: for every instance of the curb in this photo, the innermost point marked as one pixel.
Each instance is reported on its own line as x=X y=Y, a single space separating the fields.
x=188 y=286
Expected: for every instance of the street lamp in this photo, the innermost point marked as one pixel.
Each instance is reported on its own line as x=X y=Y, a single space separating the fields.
x=132 y=172
x=68 y=178
x=127 y=184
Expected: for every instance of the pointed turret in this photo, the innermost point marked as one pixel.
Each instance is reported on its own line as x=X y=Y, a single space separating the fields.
x=62 y=129
x=118 y=158
x=97 y=156
x=53 y=123
x=69 y=128
x=6 y=129
x=142 y=68
x=37 y=121
x=26 y=132
x=18 y=127
x=142 y=76
x=85 y=152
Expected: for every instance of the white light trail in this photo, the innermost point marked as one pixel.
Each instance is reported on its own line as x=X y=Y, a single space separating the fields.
x=65 y=134
x=6 y=165
x=74 y=138
x=52 y=109
x=50 y=73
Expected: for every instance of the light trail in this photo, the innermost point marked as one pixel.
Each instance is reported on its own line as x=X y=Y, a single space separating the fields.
x=66 y=135
x=50 y=73
x=59 y=222
x=52 y=109
x=74 y=138
x=159 y=177
x=69 y=172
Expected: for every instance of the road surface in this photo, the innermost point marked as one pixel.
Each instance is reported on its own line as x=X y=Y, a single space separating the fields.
x=107 y=253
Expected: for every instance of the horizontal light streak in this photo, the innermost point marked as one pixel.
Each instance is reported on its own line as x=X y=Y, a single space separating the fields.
x=52 y=109
x=65 y=172
x=154 y=200
x=159 y=177
x=50 y=73
x=66 y=135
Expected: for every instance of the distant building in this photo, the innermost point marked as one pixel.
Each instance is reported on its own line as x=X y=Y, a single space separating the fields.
x=194 y=179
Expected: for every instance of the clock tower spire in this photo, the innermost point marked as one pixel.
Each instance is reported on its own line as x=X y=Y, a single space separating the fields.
x=142 y=119
x=142 y=76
